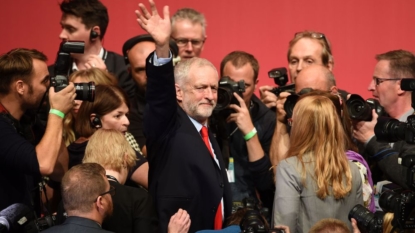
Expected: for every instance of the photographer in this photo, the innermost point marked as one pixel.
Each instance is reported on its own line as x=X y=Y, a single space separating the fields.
x=391 y=68
x=249 y=132
x=23 y=84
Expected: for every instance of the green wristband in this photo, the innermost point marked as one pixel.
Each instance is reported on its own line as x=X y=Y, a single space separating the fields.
x=57 y=113
x=250 y=134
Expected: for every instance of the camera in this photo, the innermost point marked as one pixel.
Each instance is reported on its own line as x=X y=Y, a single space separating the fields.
x=392 y=130
x=361 y=110
x=366 y=220
x=225 y=92
x=63 y=64
x=280 y=78
x=401 y=205
x=255 y=218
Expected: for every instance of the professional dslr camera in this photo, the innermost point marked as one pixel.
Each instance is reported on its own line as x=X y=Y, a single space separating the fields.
x=400 y=203
x=225 y=93
x=20 y=218
x=280 y=78
x=392 y=130
x=254 y=220
x=361 y=110
x=63 y=64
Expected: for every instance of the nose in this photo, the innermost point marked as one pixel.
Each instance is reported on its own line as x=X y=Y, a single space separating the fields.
x=300 y=66
x=189 y=46
x=126 y=122
x=63 y=35
x=371 y=86
x=209 y=94
x=78 y=103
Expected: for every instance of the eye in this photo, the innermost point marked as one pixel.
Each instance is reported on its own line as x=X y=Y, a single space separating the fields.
x=293 y=62
x=310 y=61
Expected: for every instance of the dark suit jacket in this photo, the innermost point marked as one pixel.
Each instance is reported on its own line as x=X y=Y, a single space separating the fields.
x=182 y=172
x=116 y=65
x=78 y=225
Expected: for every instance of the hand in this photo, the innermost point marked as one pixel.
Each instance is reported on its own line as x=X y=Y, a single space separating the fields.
x=159 y=28
x=364 y=130
x=241 y=116
x=281 y=114
x=94 y=61
x=179 y=222
x=64 y=99
x=267 y=97
x=354 y=226
x=282 y=227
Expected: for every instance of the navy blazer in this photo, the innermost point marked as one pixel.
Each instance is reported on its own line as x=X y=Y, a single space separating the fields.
x=78 y=225
x=182 y=172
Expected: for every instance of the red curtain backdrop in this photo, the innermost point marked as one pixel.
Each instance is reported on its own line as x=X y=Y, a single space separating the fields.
x=357 y=30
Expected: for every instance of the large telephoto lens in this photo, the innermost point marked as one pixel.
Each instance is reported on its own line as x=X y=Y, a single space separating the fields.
x=85 y=91
x=389 y=200
x=390 y=130
x=365 y=219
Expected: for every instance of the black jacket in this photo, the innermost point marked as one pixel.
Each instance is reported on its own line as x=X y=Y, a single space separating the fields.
x=182 y=171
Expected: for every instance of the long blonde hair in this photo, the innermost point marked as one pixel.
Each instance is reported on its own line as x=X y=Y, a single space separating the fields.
x=318 y=132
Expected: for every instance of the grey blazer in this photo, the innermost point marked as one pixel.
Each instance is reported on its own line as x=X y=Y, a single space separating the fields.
x=298 y=206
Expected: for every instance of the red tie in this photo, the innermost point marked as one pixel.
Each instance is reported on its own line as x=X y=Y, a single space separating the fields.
x=218 y=216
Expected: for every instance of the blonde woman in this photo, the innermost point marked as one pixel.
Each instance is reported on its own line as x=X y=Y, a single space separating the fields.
x=133 y=206
x=316 y=180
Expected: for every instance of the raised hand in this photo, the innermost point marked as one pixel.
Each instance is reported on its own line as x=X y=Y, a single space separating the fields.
x=159 y=28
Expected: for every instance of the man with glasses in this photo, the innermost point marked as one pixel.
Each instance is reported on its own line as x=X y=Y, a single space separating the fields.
x=391 y=67
x=87 y=199
x=189 y=32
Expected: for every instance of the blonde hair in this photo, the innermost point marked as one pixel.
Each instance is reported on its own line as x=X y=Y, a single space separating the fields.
x=99 y=77
x=110 y=149
x=318 y=132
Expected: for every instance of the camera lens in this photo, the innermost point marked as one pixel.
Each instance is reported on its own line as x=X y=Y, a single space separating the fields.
x=366 y=220
x=224 y=98
x=388 y=200
x=290 y=104
x=390 y=130
x=358 y=108
x=85 y=91
x=252 y=222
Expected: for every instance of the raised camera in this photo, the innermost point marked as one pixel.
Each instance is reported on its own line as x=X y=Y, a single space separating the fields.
x=225 y=92
x=281 y=79
x=392 y=130
x=63 y=64
x=361 y=110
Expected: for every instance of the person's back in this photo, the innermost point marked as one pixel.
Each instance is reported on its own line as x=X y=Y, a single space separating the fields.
x=311 y=207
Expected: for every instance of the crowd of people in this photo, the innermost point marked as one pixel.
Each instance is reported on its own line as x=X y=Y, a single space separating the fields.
x=153 y=153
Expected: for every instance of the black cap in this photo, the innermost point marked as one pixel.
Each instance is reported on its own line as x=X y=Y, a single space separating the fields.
x=129 y=44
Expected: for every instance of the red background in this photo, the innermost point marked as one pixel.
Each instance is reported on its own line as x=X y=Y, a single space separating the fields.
x=357 y=30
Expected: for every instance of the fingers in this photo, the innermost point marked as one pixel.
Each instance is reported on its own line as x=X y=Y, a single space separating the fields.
x=145 y=13
x=166 y=12
x=240 y=100
x=153 y=7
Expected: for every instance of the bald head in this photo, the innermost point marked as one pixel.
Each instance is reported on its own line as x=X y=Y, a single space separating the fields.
x=317 y=77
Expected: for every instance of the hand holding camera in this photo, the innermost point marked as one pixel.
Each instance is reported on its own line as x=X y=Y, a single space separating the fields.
x=62 y=100
x=364 y=130
x=240 y=115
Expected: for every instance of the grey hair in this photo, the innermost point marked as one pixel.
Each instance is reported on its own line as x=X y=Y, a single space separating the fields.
x=181 y=71
x=190 y=14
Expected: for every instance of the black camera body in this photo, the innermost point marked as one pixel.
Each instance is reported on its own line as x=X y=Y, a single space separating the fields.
x=281 y=79
x=361 y=110
x=401 y=205
x=392 y=130
x=225 y=92
x=62 y=69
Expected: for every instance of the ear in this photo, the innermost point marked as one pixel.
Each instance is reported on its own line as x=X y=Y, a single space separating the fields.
x=20 y=87
x=255 y=83
x=92 y=116
x=334 y=90
x=398 y=88
x=98 y=31
x=99 y=204
x=179 y=92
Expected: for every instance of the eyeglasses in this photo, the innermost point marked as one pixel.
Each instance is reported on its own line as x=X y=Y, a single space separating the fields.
x=315 y=35
x=378 y=81
x=181 y=42
x=110 y=192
